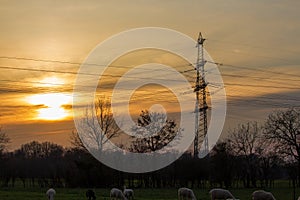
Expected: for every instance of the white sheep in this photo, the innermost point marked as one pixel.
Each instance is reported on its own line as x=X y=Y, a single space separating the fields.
x=50 y=194
x=128 y=193
x=186 y=193
x=117 y=194
x=262 y=195
x=220 y=194
x=299 y=198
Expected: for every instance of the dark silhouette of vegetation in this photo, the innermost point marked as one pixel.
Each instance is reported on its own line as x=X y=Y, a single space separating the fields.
x=244 y=143
x=282 y=129
x=4 y=140
x=158 y=130
x=223 y=164
x=76 y=141
x=249 y=157
x=89 y=126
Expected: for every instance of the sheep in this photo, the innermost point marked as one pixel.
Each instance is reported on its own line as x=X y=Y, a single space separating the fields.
x=186 y=193
x=299 y=198
x=50 y=194
x=128 y=193
x=220 y=194
x=117 y=194
x=90 y=194
x=262 y=195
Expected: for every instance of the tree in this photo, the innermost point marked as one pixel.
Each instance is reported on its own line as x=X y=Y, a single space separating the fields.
x=4 y=140
x=89 y=130
x=33 y=156
x=244 y=139
x=158 y=131
x=282 y=128
x=268 y=162
x=76 y=142
x=35 y=149
x=222 y=164
x=245 y=143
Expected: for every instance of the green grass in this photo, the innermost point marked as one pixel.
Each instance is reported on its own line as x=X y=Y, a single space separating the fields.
x=281 y=193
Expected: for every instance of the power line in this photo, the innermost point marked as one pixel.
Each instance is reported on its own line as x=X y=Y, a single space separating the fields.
x=72 y=63
x=118 y=76
x=120 y=66
x=254 y=46
x=128 y=67
x=259 y=78
x=260 y=70
x=251 y=68
x=80 y=73
x=184 y=71
x=263 y=86
x=107 y=87
x=263 y=102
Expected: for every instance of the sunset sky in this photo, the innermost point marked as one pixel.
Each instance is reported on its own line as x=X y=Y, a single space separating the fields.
x=42 y=44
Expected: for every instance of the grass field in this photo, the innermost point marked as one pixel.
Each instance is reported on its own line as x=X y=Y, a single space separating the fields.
x=283 y=193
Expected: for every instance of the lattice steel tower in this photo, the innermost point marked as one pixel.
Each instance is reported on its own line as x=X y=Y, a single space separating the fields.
x=201 y=104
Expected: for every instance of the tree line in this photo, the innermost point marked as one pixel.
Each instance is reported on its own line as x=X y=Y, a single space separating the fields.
x=252 y=155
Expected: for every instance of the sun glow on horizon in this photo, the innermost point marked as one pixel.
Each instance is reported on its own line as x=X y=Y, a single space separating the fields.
x=53 y=103
x=51 y=82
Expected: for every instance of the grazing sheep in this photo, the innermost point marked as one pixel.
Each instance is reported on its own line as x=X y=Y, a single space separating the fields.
x=128 y=193
x=117 y=194
x=50 y=194
x=186 y=193
x=90 y=194
x=220 y=194
x=262 y=195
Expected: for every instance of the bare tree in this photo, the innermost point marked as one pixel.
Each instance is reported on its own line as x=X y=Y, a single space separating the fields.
x=103 y=118
x=4 y=140
x=159 y=132
x=244 y=142
x=282 y=128
x=244 y=139
x=76 y=141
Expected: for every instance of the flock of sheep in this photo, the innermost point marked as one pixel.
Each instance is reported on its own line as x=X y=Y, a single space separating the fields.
x=188 y=194
x=183 y=194
x=116 y=194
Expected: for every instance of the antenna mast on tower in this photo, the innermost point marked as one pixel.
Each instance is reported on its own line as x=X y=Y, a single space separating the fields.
x=201 y=104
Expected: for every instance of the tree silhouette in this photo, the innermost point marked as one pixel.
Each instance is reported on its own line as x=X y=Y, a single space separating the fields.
x=157 y=132
x=222 y=164
x=35 y=149
x=282 y=128
x=90 y=133
x=4 y=140
x=244 y=142
x=76 y=142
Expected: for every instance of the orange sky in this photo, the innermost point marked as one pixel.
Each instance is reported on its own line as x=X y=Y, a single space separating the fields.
x=256 y=40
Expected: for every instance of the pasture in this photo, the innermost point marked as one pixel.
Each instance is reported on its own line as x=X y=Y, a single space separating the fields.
x=281 y=193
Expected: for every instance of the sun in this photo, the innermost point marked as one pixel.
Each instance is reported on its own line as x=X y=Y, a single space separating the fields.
x=52 y=113
x=53 y=103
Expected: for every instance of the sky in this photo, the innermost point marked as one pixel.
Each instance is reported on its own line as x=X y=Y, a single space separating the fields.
x=256 y=41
